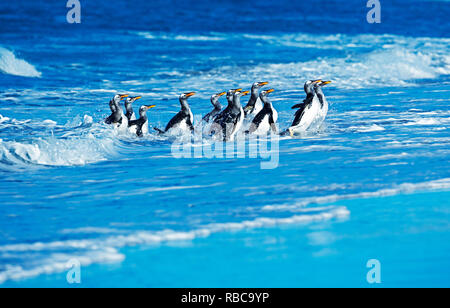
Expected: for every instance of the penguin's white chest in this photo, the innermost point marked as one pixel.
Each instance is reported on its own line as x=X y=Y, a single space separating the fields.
x=238 y=125
x=324 y=110
x=145 y=128
x=124 y=125
x=183 y=125
x=265 y=125
x=310 y=115
x=258 y=107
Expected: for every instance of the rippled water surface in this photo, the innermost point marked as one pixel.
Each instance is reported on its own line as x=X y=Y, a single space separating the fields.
x=372 y=183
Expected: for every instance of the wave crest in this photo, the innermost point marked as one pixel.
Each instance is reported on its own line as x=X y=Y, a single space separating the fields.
x=11 y=65
x=81 y=145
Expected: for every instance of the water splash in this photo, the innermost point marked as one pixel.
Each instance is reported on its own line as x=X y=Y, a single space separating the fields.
x=9 y=64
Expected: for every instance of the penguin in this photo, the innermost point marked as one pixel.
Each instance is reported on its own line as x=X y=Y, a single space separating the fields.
x=230 y=98
x=230 y=120
x=266 y=119
x=254 y=104
x=117 y=118
x=183 y=120
x=217 y=107
x=219 y=117
x=140 y=126
x=323 y=101
x=129 y=108
x=307 y=111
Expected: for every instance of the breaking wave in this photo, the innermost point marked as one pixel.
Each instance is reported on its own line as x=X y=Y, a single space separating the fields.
x=361 y=61
x=11 y=65
x=75 y=146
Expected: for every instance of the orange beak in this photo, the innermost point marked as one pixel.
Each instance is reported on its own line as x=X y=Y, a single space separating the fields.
x=190 y=94
x=245 y=93
x=270 y=91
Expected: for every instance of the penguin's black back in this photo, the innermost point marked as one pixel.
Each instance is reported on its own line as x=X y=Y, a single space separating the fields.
x=139 y=123
x=178 y=118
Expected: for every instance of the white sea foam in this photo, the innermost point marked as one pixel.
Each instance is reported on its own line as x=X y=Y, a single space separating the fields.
x=424 y=121
x=405 y=188
x=103 y=250
x=393 y=67
x=368 y=129
x=76 y=147
x=9 y=64
x=56 y=152
x=57 y=262
x=190 y=38
x=398 y=62
x=3 y=119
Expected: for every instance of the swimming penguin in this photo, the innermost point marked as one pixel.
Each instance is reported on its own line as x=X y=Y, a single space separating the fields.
x=230 y=98
x=129 y=108
x=117 y=117
x=254 y=104
x=217 y=107
x=183 y=120
x=229 y=121
x=140 y=126
x=323 y=101
x=220 y=116
x=266 y=119
x=307 y=111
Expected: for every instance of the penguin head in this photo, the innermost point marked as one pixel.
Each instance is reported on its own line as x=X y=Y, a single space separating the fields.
x=185 y=96
x=143 y=110
x=118 y=97
x=318 y=86
x=241 y=93
x=215 y=98
x=309 y=85
x=323 y=83
x=130 y=100
x=259 y=85
x=265 y=93
x=230 y=94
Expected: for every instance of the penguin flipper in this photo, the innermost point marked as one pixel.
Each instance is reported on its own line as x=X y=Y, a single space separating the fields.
x=108 y=120
x=191 y=126
x=272 y=124
x=159 y=130
x=297 y=106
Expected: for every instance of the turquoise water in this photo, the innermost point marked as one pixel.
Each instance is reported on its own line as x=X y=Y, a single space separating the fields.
x=372 y=183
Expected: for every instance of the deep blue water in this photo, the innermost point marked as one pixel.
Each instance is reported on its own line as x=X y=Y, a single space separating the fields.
x=372 y=183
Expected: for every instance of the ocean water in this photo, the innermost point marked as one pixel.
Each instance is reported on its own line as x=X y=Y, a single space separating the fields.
x=372 y=183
